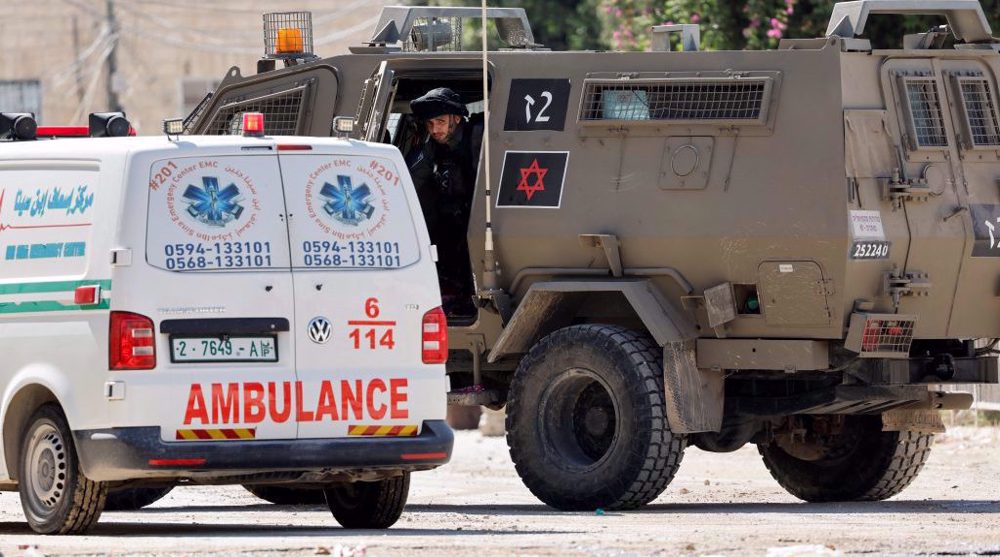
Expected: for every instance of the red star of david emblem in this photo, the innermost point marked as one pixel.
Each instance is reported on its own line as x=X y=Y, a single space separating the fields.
x=539 y=182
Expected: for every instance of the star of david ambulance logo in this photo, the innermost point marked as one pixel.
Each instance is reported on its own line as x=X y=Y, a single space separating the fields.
x=539 y=173
x=345 y=203
x=210 y=206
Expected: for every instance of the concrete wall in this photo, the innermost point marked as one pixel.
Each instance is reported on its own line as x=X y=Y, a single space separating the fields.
x=163 y=46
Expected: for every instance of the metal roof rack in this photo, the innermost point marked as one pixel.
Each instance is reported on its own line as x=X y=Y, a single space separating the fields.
x=423 y=28
x=965 y=17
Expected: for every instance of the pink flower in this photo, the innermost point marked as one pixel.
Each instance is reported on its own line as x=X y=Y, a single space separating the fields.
x=617 y=36
x=777 y=24
x=774 y=33
x=618 y=12
x=695 y=17
x=754 y=22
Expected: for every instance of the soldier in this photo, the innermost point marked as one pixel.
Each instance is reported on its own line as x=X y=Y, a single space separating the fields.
x=443 y=168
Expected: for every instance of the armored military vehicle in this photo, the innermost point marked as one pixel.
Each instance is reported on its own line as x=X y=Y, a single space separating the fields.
x=791 y=248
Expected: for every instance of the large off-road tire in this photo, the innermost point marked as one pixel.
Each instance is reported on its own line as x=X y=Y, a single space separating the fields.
x=869 y=465
x=134 y=498
x=280 y=495
x=586 y=421
x=369 y=505
x=55 y=495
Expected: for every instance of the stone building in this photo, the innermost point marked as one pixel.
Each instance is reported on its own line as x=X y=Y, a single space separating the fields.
x=168 y=53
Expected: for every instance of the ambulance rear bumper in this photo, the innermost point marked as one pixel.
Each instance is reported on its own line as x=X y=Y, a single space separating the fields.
x=130 y=453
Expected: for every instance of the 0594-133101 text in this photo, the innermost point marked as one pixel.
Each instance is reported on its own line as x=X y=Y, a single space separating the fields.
x=279 y=402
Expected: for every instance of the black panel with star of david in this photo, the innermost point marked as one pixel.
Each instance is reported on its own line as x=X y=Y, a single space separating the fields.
x=532 y=179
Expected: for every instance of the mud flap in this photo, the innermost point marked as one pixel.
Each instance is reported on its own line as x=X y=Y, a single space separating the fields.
x=919 y=421
x=694 y=397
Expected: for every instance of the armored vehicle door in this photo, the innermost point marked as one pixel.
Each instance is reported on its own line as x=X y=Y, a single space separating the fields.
x=971 y=87
x=375 y=106
x=445 y=192
x=923 y=199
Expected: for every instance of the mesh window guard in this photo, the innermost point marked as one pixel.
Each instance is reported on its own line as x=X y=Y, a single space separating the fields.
x=282 y=113
x=677 y=99
x=925 y=112
x=980 y=112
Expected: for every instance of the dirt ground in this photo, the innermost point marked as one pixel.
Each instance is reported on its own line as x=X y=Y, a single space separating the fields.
x=719 y=504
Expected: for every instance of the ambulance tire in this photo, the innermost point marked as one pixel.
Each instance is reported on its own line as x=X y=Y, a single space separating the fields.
x=55 y=495
x=369 y=505
x=586 y=420
x=874 y=466
x=280 y=495
x=135 y=498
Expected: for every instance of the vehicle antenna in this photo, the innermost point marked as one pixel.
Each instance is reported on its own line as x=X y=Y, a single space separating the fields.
x=489 y=257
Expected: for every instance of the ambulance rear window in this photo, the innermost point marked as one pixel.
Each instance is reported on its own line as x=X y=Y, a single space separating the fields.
x=349 y=212
x=221 y=213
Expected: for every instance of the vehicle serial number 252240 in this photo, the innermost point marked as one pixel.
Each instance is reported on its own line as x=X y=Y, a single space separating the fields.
x=224 y=349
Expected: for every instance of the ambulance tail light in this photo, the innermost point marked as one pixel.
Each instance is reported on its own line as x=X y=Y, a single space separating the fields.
x=435 y=337
x=132 y=342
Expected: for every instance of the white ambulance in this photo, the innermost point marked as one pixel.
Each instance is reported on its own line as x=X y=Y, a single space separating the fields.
x=213 y=310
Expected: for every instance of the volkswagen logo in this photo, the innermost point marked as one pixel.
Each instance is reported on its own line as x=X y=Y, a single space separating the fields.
x=320 y=330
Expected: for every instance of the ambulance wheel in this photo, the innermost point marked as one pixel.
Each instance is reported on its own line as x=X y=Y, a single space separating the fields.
x=133 y=499
x=280 y=495
x=369 y=505
x=863 y=463
x=586 y=420
x=55 y=495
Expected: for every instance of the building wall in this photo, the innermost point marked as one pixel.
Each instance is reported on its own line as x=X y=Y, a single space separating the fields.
x=164 y=49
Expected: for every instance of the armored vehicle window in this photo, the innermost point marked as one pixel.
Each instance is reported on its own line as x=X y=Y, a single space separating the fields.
x=700 y=100
x=983 y=128
x=924 y=108
x=282 y=113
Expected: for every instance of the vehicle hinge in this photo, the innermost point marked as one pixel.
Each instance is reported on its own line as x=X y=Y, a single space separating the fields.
x=498 y=300
x=897 y=190
x=827 y=288
x=896 y=284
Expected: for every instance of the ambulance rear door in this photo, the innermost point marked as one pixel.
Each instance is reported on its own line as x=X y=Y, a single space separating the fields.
x=363 y=280
x=215 y=277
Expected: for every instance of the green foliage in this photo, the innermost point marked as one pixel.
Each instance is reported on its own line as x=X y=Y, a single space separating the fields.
x=725 y=25
x=754 y=24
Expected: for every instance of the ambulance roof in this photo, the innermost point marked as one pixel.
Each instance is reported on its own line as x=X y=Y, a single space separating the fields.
x=213 y=144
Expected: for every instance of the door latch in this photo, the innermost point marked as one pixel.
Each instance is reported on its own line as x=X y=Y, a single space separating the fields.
x=897 y=190
x=896 y=284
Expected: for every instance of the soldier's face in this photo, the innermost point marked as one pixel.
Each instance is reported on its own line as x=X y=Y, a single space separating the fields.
x=442 y=127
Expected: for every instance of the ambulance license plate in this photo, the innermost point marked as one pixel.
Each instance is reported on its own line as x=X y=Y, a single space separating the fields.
x=228 y=349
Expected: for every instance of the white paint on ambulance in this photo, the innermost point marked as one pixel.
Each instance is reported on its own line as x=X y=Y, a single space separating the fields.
x=212 y=239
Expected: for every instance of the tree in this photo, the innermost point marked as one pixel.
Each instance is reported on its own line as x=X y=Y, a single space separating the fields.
x=754 y=24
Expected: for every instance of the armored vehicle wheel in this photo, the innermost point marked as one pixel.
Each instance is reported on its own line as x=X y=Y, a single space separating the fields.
x=369 y=504
x=280 y=495
x=133 y=499
x=55 y=495
x=864 y=463
x=586 y=422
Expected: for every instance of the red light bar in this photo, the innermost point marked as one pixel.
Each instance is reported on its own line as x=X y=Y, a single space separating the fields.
x=253 y=124
x=295 y=147
x=63 y=131
x=176 y=461
x=71 y=131
x=423 y=456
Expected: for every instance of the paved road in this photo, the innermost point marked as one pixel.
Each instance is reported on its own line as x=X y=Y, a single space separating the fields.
x=717 y=505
